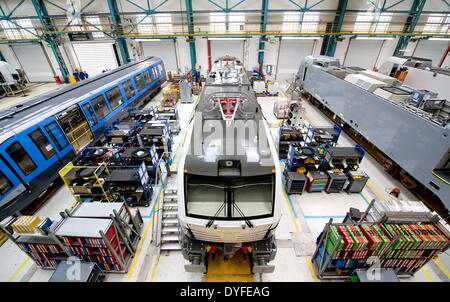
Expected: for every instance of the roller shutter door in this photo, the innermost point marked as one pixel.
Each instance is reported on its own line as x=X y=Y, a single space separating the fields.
x=164 y=50
x=292 y=53
x=363 y=53
x=233 y=48
x=34 y=62
x=433 y=50
x=95 y=57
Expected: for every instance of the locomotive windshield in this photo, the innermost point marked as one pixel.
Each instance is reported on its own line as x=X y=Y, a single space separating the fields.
x=230 y=198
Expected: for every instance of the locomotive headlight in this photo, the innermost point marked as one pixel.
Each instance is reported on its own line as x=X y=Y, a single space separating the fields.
x=229 y=163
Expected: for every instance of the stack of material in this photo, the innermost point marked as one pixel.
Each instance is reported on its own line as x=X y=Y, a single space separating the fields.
x=403 y=247
x=416 y=244
x=93 y=240
x=3 y=237
x=171 y=94
x=26 y=224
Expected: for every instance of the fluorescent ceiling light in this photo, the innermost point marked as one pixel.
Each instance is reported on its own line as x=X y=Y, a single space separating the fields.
x=147 y=40
x=228 y=39
x=439 y=39
x=374 y=38
x=299 y=38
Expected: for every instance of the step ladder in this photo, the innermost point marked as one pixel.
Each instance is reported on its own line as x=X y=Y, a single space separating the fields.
x=291 y=88
x=170 y=225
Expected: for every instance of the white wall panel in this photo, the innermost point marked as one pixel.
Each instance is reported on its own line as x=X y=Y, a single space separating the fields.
x=363 y=53
x=164 y=50
x=34 y=62
x=201 y=54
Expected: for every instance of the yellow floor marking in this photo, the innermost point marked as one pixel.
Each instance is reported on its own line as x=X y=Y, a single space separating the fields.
x=425 y=272
x=153 y=274
x=311 y=119
x=19 y=269
x=442 y=267
x=235 y=269
x=374 y=190
x=291 y=211
x=311 y=269
x=139 y=250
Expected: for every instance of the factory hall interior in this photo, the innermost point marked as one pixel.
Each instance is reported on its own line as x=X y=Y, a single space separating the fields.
x=222 y=141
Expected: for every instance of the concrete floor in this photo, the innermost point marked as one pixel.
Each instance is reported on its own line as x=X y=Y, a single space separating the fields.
x=303 y=218
x=35 y=89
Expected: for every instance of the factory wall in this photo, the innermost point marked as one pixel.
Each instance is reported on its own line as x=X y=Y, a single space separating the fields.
x=283 y=56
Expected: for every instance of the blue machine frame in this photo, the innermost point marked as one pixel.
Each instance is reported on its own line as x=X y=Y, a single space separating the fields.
x=19 y=189
x=415 y=144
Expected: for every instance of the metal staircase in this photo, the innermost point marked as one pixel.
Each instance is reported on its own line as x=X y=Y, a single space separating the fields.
x=170 y=225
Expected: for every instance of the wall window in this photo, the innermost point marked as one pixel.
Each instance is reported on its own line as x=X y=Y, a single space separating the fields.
x=5 y=184
x=163 y=23
x=21 y=28
x=100 y=106
x=435 y=24
x=21 y=158
x=310 y=22
x=446 y=26
x=154 y=24
x=217 y=22
x=114 y=97
x=57 y=135
x=291 y=22
x=93 y=23
x=363 y=22
x=139 y=82
x=382 y=23
x=236 y=22
x=42 y=143
x=370 y=22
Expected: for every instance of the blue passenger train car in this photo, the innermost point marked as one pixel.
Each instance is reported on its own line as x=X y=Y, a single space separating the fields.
x=40 y=136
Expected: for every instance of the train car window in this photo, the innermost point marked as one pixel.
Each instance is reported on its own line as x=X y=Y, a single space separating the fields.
x=88 y=109
x=129 y=89
x=100 y=106
x=57 y=135
x=21 y=158
x=5 y=184
x=155 y=73
x=253 y=196
x=139 y=82
x=148 y=78
x=114 y=97
x=42 y=143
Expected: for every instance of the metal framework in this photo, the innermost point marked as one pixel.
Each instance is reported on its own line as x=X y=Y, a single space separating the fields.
x=264 y=15
x=51 y=39
x=338 y=20
x=49 y=33
x=411 y=22
x=115 y=18
x=190 y=21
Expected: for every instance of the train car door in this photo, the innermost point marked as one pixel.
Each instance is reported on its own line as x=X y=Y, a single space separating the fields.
x=10 y=189
x=75 y=126
x=56 y=136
